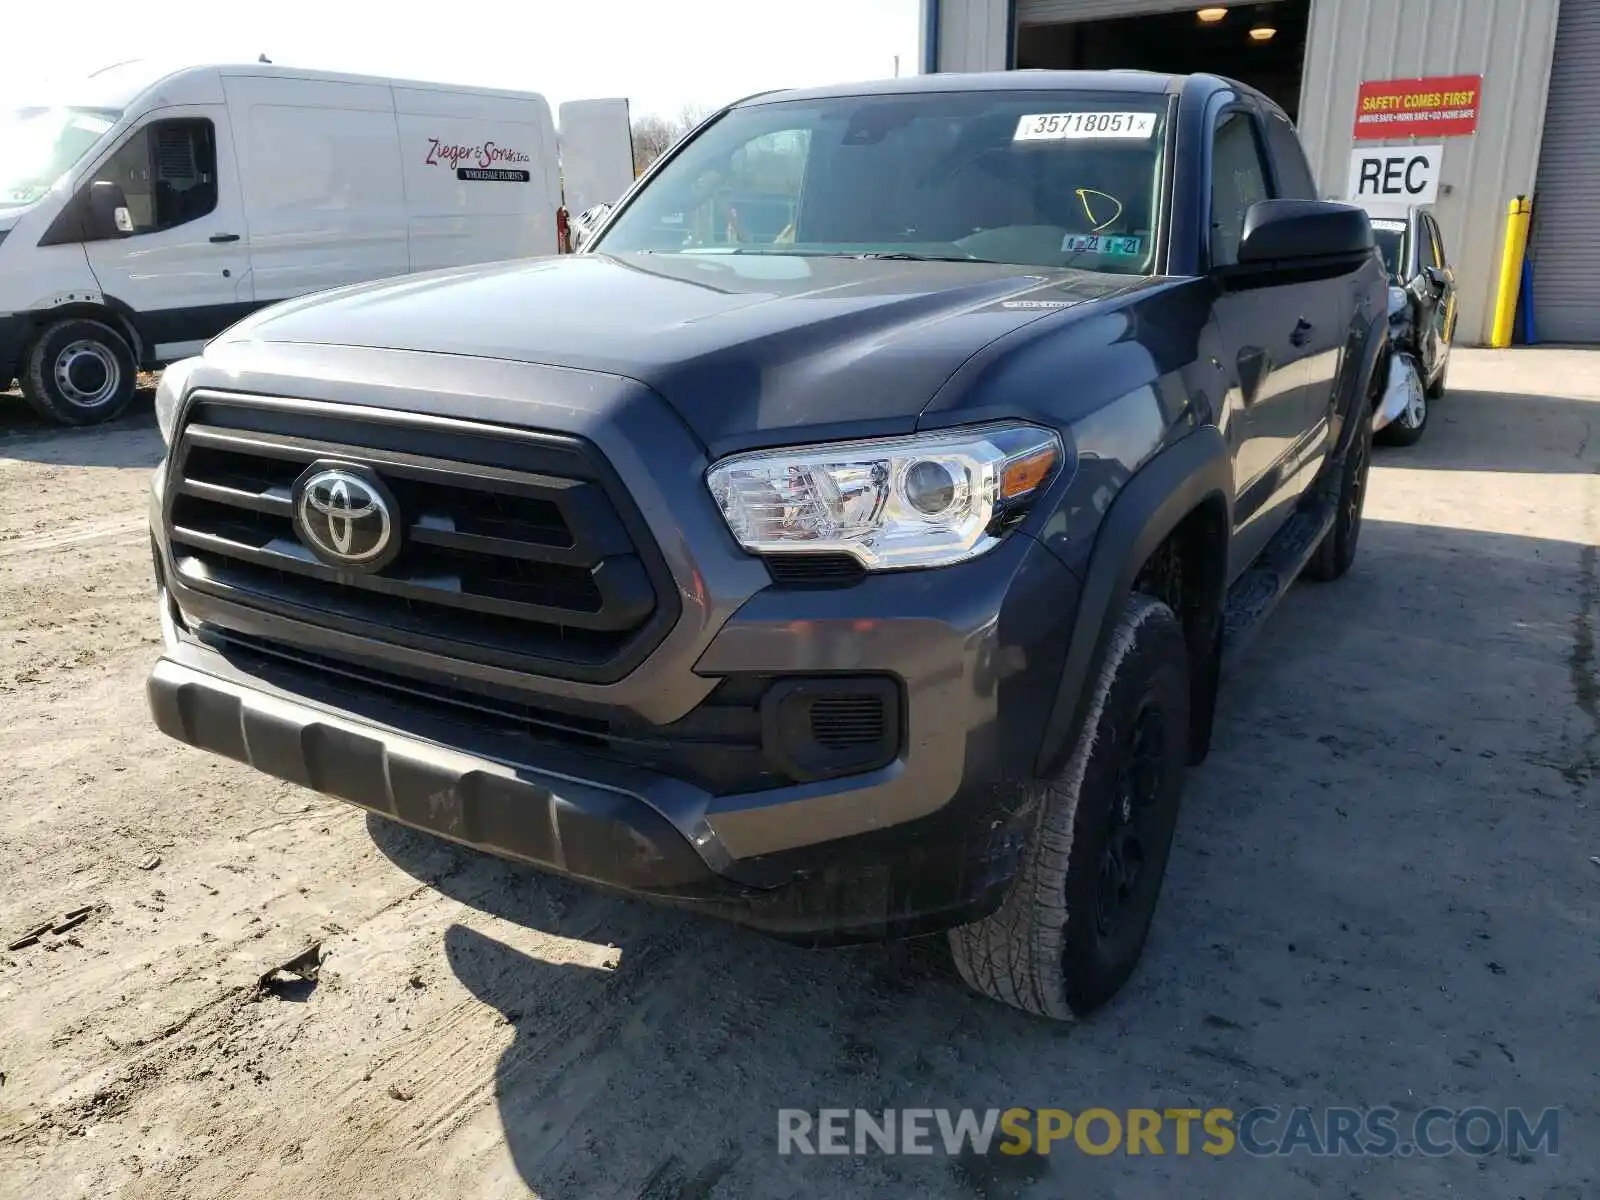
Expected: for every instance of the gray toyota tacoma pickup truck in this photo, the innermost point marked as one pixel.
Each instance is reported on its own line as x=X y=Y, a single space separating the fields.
x=847 y=543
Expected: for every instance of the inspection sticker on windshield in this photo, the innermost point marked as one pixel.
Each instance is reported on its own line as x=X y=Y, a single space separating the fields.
x=1121 y=245
x=1056 y=127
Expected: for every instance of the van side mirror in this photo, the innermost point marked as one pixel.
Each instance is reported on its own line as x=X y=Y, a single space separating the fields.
x=1291 y=231
x=107 y=214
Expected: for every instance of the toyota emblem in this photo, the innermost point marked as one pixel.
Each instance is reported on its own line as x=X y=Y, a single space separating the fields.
x=346 y=517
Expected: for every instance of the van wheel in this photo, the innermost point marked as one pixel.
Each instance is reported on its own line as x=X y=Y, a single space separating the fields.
x=79 y=372
x=1074 y=924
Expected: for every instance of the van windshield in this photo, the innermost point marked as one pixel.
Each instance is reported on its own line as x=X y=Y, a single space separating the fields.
x=1033 y=178
x=39 y=145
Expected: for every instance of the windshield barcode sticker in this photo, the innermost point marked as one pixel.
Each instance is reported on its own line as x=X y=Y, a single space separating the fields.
x=1055 y=127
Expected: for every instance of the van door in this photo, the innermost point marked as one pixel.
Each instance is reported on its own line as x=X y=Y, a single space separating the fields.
x=319 y=165
x=596 y=153
x=182 y=267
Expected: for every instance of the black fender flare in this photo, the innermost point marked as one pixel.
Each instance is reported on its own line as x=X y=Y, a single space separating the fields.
x=1150 y=506
x=1356 y=380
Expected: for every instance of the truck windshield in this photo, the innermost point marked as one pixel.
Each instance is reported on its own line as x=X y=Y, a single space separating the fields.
x=39 y=145
x=1033 y=178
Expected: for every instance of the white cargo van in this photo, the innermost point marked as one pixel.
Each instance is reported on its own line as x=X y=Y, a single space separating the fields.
x=147 y=213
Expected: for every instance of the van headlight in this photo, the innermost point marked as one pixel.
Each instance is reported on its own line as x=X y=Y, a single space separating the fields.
x=169 y=393
x=928 y=500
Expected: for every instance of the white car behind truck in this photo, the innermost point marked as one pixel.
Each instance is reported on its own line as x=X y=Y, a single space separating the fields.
x=149 y=211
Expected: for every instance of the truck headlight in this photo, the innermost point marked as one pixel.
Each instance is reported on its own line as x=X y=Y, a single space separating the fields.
x=927 y=500
x=169 y=392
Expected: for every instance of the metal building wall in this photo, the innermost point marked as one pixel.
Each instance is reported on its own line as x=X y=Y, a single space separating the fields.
x=1508 y=42
x=973 y=35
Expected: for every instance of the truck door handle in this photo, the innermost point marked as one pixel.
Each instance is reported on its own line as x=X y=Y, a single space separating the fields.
x=1302 y=332
x=224 y=237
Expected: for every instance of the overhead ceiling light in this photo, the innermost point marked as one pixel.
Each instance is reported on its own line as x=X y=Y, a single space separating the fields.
x=1263 y=33
x=1211 y=15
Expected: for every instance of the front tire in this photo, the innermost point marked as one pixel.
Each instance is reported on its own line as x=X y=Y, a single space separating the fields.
x=79 y=372
x=1074 y=924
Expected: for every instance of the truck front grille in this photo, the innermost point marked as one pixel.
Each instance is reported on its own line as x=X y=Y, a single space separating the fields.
x=517 y=549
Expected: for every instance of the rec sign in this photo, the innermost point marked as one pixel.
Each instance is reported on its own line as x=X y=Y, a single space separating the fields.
x=1390 y=178
x=1443 y=106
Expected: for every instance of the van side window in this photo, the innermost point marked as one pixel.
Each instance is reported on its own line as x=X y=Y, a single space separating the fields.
x=168 y=173
x=1238 y=180
x=1289 y=157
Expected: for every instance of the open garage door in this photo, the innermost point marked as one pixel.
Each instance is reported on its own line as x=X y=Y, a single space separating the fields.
x=1566 y=215
x=1262 y=44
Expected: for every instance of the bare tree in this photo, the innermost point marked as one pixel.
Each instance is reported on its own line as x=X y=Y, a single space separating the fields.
x=689 y=116
x=653 y=136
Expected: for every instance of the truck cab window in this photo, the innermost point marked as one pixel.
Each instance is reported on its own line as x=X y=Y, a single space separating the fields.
x=1238 y=180
x=168 y=173
x=1293 y=171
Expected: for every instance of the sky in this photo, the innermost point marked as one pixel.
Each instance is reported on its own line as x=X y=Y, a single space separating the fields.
x=662 y=55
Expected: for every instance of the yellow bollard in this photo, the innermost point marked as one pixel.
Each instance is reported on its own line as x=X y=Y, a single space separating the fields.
x=1518 y=216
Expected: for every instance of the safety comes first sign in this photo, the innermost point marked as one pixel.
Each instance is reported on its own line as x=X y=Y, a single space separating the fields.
x=1443 y=106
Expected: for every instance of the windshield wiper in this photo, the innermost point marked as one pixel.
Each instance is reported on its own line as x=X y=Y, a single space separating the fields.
x=911 y=256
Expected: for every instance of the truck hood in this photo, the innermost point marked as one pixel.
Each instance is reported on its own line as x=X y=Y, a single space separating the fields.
x=746 y=347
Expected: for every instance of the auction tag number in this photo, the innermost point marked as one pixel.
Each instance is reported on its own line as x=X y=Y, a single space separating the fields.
x=1055 y=127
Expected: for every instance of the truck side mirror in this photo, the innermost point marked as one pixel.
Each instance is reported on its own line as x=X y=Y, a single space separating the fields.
x=1292 y=231
x=107 y=214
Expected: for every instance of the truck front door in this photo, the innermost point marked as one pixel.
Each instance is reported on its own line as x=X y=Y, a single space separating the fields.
x=1271 y=331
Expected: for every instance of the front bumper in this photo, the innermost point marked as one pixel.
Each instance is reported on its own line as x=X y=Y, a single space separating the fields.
x=1403 y=389
x=929 y=841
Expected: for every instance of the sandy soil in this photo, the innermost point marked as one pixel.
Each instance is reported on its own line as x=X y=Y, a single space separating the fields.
x=1384 y=891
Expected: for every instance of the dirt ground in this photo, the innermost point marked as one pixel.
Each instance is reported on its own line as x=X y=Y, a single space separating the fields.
x=1385 y=891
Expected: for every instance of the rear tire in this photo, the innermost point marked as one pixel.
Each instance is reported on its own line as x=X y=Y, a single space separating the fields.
x=1337 y=550
x=79 y=372
x=1074 y=924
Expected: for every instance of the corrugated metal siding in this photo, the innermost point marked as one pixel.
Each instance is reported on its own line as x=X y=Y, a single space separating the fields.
x=974 y=35
x=1566 y=231
x=1509 y=42
x=1044 y=12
